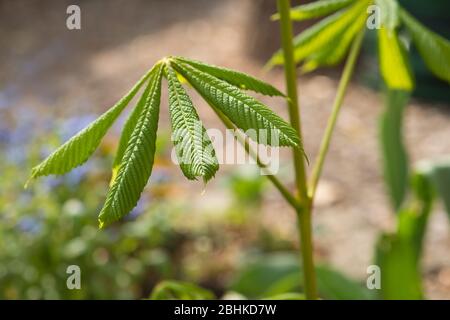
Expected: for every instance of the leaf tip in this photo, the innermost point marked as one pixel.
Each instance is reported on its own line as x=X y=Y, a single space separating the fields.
x=25 y=186
x=31 y=178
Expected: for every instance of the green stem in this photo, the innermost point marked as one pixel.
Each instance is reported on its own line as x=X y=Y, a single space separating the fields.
x=304 y=215
x=291 y=85
x=343 y=84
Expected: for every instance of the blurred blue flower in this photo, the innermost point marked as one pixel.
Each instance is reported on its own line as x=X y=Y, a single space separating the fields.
x=51 y=182
x=25 y=197
x=160 y=175
x=30 y=225
x=42 y=59
x=74 y=124
x=75 y=176
x=8 y=96
x=15 y=154
x=139 y=209
x=5 y=136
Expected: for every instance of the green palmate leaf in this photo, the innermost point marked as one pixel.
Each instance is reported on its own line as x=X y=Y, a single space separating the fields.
x=323 y=33
x=81 y=146
x=135 y=156
x=192 y=145
x=247 y=113
x=389 y=13
x=306 y=37
x=394 y=64
x=234 y=78
x=335 y=52
x=137 y=162
x=395 y=161
x=317 y=9
x=434 y=49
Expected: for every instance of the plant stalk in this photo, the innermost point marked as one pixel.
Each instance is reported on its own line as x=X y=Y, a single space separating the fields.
x=303 y=215
x=291 y=86
x=342 y=89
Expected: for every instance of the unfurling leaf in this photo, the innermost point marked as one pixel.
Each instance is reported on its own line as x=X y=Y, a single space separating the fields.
x=80 y=147
x=336 y=51
x=321 y=35
x=305 y=38
x=192 y=145
x=316 y=9
x=137 y=162
x=247 y=113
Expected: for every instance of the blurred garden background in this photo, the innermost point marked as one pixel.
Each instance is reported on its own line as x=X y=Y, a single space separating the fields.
x=236 y=236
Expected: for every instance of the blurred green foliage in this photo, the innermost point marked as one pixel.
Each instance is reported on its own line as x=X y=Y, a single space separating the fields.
x=395 y=158
x=398 y=253
x=52 y=224
x=433 y=14
x=44 y=231
x=276 y=274
x=169 y=290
